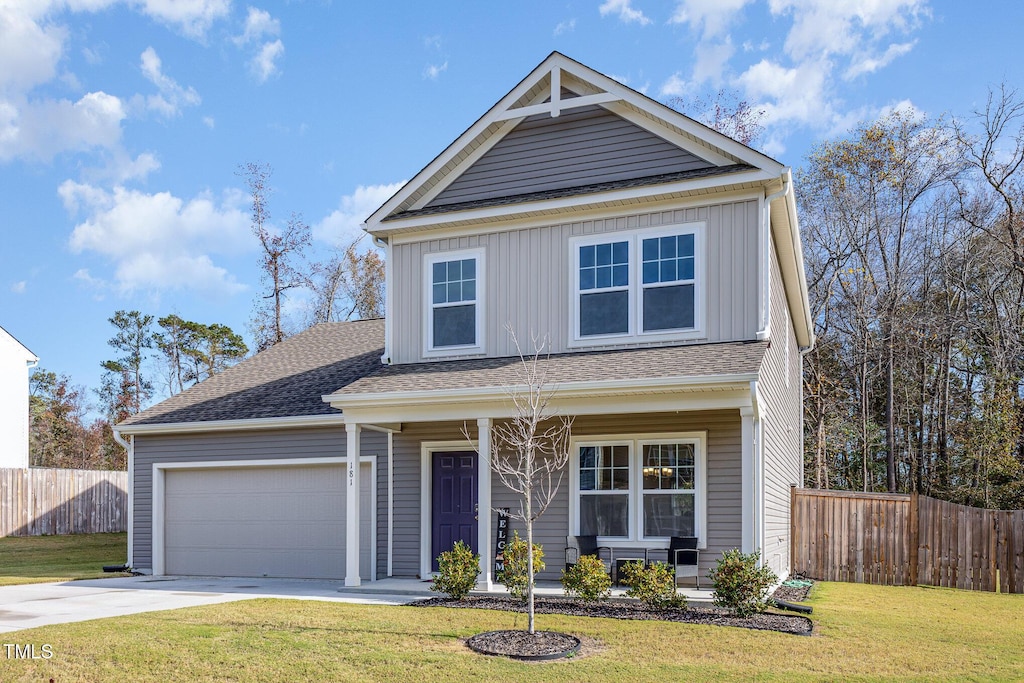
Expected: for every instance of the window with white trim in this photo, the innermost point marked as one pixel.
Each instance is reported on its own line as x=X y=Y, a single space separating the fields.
x=454 y=294
x=640 y=489
x=644 y=284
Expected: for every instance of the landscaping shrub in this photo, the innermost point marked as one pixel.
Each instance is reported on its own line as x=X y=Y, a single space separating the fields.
x=457 y=571
x=654 y=585
x=587 y=580
x=740 y=584
x=515 y=575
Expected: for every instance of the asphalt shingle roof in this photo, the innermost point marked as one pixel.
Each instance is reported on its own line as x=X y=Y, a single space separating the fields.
x=573 y=191
x=693 y=360
x=286 y=380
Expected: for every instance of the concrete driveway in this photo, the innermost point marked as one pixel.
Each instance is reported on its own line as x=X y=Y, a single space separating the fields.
x=41 y=604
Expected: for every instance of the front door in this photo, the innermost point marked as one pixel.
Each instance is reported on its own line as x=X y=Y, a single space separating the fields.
x=454 y=502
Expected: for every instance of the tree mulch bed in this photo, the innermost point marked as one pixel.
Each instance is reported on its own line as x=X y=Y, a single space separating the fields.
x=540 y=646
x=617 y=609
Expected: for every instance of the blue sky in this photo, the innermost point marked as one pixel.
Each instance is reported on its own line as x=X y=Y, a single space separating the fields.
x=123 y=123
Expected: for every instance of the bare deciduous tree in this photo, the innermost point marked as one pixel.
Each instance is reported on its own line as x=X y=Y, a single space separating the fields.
x=529 y=452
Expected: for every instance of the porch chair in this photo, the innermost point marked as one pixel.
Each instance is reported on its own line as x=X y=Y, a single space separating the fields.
x=684 y=556
x=577 y=546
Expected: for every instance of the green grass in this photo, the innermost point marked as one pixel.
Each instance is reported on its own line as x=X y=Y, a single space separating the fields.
x=37 y=559
x=862 y=633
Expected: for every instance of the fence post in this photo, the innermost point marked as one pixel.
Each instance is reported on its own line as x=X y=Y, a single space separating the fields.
x=915 y=537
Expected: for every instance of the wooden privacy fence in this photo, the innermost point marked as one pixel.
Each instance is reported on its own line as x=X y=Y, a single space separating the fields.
x=895 y=539
x=34 y=501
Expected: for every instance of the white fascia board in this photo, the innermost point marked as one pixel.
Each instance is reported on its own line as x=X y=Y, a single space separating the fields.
x=592 y=388
x=577 y=215
x=630 y=194
x=734 y=398
x=791 y=265
x=234 y=425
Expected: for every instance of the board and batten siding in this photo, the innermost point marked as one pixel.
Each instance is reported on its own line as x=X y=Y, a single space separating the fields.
x=723 y=484
x=529 y=283
x=579 y=147
x=311 y=442
x=781 y=391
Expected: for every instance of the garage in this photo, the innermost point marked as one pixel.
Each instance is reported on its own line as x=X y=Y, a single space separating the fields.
x=274 y=521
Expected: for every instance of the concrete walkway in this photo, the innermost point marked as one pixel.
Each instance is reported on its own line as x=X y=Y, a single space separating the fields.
x=41 y=604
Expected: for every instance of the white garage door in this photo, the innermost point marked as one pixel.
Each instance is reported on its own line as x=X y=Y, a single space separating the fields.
x=262 y=521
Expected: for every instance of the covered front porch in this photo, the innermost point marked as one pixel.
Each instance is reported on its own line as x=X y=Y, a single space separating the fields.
x=711 y=423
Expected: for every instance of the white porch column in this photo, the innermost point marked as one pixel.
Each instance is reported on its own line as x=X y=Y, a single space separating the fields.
x=483 y=514
x=747 y=492
x=352 y=505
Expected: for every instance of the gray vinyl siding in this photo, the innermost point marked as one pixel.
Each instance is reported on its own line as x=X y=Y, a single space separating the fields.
x=244 y=445
x=783 y=459
x=723 y=484
x=529 y=283
x=579 y=147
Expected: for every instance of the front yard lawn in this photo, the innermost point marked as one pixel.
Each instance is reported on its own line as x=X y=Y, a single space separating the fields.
x=38 y=559
x=862 y=633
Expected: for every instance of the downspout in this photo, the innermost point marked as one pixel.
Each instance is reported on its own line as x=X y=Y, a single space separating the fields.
x=758 y=466
x=765 y=324
x=386 y=246
x=130 y=447
x=391 y=502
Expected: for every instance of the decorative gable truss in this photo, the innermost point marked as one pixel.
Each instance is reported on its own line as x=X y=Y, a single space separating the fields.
x=568 y=136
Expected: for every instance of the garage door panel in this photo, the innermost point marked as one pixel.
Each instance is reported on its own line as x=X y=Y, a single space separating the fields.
x=260 y=521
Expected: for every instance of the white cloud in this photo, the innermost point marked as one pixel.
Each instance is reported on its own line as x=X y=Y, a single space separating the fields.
x=710 y=17
x=29 y=51
x=712 y=61
x=675 y=86
x=39 y=130
x=432 y=71
x=432 y=42
x=264 y=64
x=192 y=17
x=567 y=26
x=19 y=287
x=342 y=226
x=258 y=23
x=788 y=95
x=159 y=241
x=209 y=122
x=867 y=64
x=844 y=26
x=625 y=11
x=171 y=97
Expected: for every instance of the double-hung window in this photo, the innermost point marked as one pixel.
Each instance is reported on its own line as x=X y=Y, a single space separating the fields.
x=639 y=285
x=640 y=489
x=454 y=292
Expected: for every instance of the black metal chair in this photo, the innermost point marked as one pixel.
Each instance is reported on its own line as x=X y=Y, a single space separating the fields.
x=684 y=556
x=578 y=546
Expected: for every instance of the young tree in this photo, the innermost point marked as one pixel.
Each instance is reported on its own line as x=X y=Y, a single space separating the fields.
x=529 y=452
x=280 y=250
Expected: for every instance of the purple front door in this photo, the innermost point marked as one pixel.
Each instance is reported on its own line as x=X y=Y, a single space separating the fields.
x=454 y=502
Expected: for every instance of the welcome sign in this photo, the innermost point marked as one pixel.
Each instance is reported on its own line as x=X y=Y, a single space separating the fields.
x=500 y=539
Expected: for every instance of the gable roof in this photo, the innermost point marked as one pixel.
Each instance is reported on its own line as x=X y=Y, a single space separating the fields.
x=12 y=342
x=286 y=380
x=562 y=96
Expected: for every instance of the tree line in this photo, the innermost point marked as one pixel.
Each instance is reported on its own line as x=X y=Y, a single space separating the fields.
x=914 y=249
x=157 y=358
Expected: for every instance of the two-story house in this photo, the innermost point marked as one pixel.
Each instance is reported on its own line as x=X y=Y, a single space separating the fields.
x=663 y=262
x=15 y=362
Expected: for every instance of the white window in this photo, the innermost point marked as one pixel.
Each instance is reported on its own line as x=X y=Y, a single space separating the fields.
x=454 y=301
x=638 y=286
x=640 y=490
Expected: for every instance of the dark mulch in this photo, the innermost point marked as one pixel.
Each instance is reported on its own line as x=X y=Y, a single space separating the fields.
x=694 y=614
x=523 y=645
x=791 y=594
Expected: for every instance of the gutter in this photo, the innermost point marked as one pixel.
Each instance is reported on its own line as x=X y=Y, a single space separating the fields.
x=765 y=330
x=385 y=244
x=129 y=446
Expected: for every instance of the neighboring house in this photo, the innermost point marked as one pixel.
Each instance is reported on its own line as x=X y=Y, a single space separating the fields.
x=15 y=361
x=662 y=259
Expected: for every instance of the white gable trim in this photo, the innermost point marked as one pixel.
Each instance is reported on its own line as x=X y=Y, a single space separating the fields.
x=610 y=91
